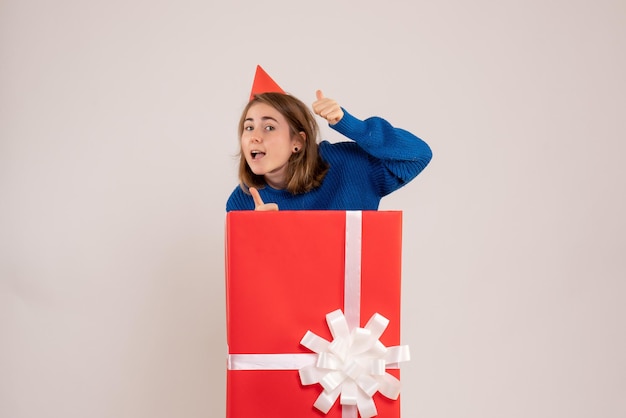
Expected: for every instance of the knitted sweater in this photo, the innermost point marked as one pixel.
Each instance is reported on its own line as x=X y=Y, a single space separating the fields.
x=380 y=160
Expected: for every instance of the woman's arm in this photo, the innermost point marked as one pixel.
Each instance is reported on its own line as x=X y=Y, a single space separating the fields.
x=398 y=155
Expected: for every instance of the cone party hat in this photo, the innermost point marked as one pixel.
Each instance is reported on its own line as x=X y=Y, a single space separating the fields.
x=263 y=83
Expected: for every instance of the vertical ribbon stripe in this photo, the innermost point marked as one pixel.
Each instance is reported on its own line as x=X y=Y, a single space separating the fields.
x=352 y=285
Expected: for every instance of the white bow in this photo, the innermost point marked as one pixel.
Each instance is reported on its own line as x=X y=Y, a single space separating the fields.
x=353 y=365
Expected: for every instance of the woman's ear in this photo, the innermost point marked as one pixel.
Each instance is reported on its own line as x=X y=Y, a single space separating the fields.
x=299 y=141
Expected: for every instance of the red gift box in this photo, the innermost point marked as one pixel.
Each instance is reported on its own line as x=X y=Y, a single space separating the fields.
x=285 y=271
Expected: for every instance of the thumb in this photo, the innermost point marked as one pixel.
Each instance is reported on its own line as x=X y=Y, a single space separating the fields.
x=319 y=94
x=256 y=196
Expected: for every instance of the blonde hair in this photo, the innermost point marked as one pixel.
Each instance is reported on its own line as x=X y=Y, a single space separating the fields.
x=305 y=169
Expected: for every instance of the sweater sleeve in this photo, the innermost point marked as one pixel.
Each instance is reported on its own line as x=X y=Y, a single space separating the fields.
x=397 y=156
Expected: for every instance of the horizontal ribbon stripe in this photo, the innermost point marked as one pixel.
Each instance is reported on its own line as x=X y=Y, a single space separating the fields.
x=294 y=361
x=270 y=361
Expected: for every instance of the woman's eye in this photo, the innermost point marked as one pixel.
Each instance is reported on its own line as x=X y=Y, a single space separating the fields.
x=247 y=128
x=269 y=128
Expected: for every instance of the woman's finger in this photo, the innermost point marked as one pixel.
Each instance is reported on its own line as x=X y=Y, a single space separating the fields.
x=256 y=196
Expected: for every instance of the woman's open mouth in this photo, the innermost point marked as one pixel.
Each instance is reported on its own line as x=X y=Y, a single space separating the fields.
x=256 y=155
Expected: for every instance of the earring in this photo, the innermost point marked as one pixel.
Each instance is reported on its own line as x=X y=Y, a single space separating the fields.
x=295 y=149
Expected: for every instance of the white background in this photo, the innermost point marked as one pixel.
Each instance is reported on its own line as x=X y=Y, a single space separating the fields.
x=117 y=154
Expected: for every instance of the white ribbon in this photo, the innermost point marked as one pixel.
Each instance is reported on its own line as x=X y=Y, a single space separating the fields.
x=353 y=366
x=293 y=361
x=352 y=278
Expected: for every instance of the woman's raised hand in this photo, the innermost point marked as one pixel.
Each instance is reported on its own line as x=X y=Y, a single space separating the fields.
x=327 y=108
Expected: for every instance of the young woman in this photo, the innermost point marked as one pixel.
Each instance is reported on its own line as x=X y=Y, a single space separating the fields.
x=282 y=165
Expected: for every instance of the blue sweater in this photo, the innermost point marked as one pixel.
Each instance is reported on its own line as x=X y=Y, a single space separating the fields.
x=380 y=160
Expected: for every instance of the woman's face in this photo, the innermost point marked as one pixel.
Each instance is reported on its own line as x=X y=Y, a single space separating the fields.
x=267 y=143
